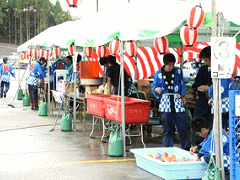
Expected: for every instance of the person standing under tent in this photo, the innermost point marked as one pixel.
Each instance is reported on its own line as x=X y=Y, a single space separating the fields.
x=6 y=70
x=225 y=87
x=37 y=70
x=103 y=62
x=113 y=78
x=201 y=85
x=70 y=68
x=169 y=86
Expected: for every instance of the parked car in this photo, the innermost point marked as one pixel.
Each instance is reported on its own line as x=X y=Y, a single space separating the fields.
x=190 y=70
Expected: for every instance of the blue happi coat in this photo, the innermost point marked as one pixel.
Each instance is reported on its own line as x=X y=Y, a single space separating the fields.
x=225 y=87
x=70 y=74
x=179 y=90
x=207 y=147
x=36 y=71
x=6 y=70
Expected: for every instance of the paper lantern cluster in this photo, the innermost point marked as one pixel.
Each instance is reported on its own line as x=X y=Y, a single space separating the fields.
x=34 y=52
x=189 y=32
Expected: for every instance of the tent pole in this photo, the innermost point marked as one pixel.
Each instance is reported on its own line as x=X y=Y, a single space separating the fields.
x=48 y=72
x=123 y=101
x=75 y=91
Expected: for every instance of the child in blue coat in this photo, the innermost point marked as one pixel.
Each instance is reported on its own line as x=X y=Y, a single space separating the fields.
x=6 y=70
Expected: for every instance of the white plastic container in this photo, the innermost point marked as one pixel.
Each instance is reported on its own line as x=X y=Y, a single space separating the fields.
x=169 y=170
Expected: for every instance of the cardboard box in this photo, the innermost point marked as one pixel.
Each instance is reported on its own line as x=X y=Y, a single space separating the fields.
x=143 y=82
x=90 y=89
x=70 y=87
x=146 y=89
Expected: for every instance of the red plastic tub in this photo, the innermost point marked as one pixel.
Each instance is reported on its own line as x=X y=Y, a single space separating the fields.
x=136 y=110
x=95 y=104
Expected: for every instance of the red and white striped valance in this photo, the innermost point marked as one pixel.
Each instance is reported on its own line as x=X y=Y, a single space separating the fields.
x=149 y=61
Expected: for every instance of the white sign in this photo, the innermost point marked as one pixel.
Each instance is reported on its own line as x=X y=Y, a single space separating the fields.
x=222 y=56
x=237 y=105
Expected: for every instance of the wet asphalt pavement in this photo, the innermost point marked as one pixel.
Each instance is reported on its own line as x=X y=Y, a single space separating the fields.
x=29 y=150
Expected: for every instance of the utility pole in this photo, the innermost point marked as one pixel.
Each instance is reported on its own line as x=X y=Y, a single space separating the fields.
x=217 y=122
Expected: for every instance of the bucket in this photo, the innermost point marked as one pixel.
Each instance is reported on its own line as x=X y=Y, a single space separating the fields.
x=43 y=107
x=26 y=100
x=115 y=145
x=20 y=94
x=66 y=122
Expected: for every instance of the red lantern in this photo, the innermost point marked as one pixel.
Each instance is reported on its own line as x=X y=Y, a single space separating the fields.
x=36 y=52
x=131 y=48
x=196 y=17
x=101 y=51
x=73 y=3
x=30 y=51
x=114 y=47
x=22 y=55
x=88 y=51
x=56 y=51
x=161 y=44
x=188 y=35
x=47 y=54
x=26 y=55
x=41 y=53
x=71 y=49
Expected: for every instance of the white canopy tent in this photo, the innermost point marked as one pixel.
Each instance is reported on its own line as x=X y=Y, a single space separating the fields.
x=158 y=18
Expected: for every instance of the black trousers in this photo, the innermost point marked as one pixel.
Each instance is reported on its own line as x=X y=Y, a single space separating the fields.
x=33 y=94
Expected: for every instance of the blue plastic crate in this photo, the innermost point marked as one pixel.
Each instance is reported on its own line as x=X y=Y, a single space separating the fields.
x=234 y=141
x=169 y=170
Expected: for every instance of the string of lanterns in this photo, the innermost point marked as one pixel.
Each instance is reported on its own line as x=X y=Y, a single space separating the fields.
x=189 y=33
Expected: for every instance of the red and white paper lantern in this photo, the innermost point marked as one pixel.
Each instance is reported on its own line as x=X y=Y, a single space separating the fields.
x=196 y=17
x=71 y=49
x=30 y=51
x=131 y=48
x=188 y=35
x=47 y=54
x=73 y=3
x=22 y=55
x=114 y=47
x=26 y=55
x=56 y=51
x=101 y=51
x=41 y=53
x=161 y=44
x=88 y=51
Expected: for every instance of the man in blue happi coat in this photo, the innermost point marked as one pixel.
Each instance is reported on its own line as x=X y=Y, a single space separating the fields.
x=6 y=70
x=225 y=87
x=37 y=70
x=169 y=86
